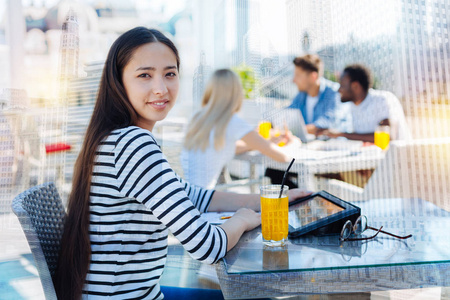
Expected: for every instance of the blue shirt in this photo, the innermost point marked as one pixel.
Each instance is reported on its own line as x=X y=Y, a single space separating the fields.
x=325 y=110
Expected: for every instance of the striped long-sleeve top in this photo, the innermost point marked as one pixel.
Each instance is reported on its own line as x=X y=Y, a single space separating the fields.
x=135 y=199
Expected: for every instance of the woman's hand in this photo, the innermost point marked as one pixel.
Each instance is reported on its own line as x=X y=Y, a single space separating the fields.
x=243 y=220
x=291 y=139
x=248 y=217
x=287 y=138
x=276 y=137
x=294 y=194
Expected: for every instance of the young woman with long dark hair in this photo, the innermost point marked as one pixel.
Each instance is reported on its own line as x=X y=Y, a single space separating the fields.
x=125 y=197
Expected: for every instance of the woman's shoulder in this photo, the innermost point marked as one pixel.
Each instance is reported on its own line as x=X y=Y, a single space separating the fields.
x=235 y=118
x=238 y=123
x=131 y=134
x=130 y=130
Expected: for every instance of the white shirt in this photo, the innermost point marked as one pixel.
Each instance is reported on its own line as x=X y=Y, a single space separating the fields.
x=310 y=104
x=378 y=106
x=202 y=168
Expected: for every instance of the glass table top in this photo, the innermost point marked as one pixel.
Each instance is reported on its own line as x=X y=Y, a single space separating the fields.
x=427 y=223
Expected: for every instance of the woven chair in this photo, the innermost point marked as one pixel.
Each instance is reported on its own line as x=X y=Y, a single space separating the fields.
x=41 y=214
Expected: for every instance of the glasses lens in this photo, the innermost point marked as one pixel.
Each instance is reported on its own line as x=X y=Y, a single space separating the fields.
x=360 y=225
x=346 y=230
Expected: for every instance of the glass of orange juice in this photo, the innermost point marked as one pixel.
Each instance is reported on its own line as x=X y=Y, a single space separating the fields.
x=382 y=136
x=274 y=214
x=264 y=129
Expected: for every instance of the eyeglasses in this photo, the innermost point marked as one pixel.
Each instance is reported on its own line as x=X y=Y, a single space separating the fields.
x=359 y=227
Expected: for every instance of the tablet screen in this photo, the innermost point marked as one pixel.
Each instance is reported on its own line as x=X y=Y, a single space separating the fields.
x=312 y=210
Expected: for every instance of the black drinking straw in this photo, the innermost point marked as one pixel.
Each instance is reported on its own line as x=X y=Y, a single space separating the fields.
x=284 y=177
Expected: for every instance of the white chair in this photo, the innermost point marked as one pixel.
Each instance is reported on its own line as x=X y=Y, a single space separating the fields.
x=410 y=169
x=41 y=214
x=8 y=164
x=226 y=183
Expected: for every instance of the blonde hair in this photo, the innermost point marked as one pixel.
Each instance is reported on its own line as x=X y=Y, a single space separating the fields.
x=222 y=98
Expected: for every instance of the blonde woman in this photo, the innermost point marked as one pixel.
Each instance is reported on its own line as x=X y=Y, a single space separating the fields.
x=216 y=133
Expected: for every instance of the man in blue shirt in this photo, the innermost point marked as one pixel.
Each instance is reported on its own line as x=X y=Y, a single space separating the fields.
x=318 y=97
x=317 y=100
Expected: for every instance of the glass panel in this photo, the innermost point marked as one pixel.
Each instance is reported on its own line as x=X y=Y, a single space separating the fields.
x=425 y=221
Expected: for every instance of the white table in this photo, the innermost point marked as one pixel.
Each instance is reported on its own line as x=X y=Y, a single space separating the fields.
x=363 y=158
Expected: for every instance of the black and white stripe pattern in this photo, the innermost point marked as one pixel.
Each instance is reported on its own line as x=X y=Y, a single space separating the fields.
x=135 y=198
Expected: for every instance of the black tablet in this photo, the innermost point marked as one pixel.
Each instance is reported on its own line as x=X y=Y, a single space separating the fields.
x=319 y=214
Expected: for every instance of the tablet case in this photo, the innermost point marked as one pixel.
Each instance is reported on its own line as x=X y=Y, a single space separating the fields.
x=329 y=225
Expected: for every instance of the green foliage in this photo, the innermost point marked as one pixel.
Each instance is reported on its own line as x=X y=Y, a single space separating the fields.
x=330 y=76
x=248 y=80
x=376 y=83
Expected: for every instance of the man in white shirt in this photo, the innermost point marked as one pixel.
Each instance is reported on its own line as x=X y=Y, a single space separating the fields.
x=369 y=108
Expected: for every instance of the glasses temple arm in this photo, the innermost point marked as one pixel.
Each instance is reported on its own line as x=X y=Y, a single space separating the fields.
x=365 y=238
x=391 y=234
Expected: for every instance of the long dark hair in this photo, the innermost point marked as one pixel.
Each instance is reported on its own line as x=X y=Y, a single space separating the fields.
x=112 y=111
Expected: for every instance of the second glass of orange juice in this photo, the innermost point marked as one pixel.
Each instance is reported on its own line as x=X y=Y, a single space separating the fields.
x=274 y=214
x=382 y=137
x=264 y=129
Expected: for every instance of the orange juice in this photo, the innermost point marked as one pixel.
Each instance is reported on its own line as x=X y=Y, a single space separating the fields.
x=274 y=218
x=381 y=139
x=264 y=129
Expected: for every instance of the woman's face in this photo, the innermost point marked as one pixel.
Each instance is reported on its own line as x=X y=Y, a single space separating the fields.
x=151 y=82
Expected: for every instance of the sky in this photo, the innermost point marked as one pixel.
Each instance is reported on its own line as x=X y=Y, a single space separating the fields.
x=273 y=22
x=2 y=8
x=272 y=15
x=171 y=7
x=270 y=10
